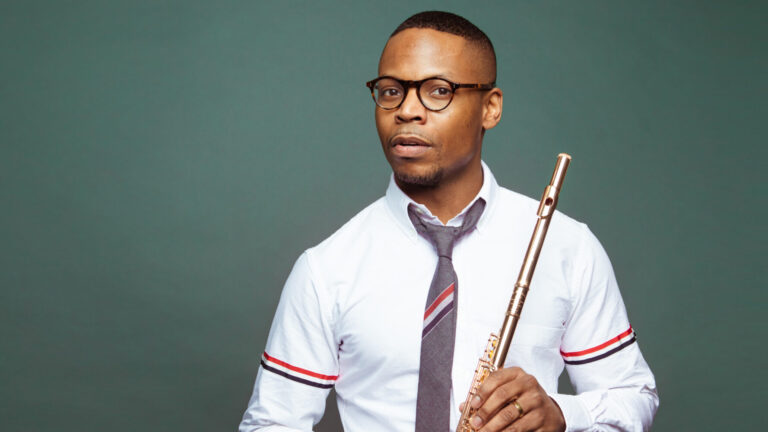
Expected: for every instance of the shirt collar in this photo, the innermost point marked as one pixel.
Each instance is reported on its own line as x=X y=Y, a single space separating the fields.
x=398 y=202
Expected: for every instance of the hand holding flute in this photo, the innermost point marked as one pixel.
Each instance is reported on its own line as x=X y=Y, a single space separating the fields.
x=507 y=393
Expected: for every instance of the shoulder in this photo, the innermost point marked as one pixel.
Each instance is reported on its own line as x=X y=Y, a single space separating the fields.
x=352 y=241
x=570 y=246
x=515 y=208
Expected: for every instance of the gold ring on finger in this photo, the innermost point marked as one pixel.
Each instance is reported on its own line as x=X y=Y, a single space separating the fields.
x=519 y=408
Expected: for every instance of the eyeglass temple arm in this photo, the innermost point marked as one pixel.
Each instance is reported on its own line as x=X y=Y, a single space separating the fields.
x=477 y=86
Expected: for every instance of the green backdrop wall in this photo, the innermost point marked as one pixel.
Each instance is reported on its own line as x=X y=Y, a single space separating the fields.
x=163 y=163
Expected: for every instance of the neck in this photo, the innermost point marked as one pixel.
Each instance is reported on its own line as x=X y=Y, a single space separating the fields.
x=449 y=197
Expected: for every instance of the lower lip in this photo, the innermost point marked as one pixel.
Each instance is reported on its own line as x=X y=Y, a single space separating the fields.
x=409 y=151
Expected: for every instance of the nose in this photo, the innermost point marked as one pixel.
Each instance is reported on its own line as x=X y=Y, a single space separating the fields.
x=411 y=110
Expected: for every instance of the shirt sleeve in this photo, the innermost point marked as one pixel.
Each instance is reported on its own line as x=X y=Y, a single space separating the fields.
x=300 y=363
x=615 y=388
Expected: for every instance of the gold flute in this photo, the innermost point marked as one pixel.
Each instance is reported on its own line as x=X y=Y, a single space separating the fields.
x=498 y=346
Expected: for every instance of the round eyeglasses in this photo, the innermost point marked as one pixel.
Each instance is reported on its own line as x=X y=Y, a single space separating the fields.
x=434 y=93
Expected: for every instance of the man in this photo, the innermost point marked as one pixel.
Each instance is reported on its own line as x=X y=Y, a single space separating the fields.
x=360 y=313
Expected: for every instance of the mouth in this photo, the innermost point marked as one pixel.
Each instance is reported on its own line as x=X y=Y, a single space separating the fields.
x=409 y=141
x=409 y=146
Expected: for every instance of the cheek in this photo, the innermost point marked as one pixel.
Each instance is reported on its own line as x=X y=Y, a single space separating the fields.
x=462 y=127
x=472 y=124
x=380 y=120
x=462 y=133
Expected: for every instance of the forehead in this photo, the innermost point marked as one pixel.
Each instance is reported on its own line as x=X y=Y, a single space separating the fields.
x=420 y=53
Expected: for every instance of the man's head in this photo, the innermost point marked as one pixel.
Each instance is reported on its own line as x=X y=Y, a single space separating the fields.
x=451 y=23
x=428 y=147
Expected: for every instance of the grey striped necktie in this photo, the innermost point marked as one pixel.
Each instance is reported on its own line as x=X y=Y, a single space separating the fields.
x=438 y=336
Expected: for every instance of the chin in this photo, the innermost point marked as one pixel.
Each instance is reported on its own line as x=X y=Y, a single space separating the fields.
x=425 y=178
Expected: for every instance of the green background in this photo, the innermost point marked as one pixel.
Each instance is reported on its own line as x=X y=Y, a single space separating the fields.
x=163 y=163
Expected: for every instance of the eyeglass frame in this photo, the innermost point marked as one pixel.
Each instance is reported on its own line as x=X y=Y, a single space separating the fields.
x=407 y=84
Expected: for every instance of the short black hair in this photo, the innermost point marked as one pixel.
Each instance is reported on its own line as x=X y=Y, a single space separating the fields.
x=450 y=23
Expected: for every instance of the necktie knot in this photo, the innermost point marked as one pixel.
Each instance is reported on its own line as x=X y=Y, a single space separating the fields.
x=444 y=237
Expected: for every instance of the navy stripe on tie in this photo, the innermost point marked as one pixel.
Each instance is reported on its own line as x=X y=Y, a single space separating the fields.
x=437 y=319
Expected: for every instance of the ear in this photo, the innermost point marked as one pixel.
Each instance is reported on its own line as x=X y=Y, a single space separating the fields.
x=492 y=105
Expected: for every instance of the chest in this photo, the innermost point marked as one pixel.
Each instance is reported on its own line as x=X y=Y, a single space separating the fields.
x=380 y=319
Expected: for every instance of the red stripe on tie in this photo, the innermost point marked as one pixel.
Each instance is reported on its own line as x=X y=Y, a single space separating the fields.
x=598 y=347
x=298 y=369
x=448 y=291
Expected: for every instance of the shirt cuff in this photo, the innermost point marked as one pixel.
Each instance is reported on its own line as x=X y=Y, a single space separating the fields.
x=577 y=418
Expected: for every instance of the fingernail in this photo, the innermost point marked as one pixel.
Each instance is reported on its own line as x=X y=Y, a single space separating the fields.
x=476 y=402
x=476 y=422
x=461 y=407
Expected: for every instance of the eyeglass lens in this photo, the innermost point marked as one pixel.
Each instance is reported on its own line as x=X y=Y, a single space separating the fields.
x=434 y=93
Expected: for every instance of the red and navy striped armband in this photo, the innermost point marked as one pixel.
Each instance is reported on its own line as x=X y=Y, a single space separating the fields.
x=601 y=351
x=296 y=373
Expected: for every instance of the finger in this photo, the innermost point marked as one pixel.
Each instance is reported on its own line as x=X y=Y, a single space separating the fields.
x=527 y=423
x=495 y=402
x=493 y=381
x=506 y=417
x=528 y=406
x=520 y=384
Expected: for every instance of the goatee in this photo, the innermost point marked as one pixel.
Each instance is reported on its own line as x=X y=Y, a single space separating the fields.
x=430 y=179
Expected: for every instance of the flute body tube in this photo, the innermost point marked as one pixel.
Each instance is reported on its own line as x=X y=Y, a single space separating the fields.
x=498 y=345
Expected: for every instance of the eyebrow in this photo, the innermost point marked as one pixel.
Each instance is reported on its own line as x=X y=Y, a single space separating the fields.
x=442 y=76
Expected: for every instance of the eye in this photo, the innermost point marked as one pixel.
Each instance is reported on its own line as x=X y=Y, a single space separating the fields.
x=437 y=89
x=441 y=91
x=389 y=92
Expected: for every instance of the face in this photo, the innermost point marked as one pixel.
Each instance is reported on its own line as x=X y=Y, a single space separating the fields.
x=430 y=148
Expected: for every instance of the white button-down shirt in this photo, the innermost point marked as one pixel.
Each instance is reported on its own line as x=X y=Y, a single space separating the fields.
x=351 y=313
